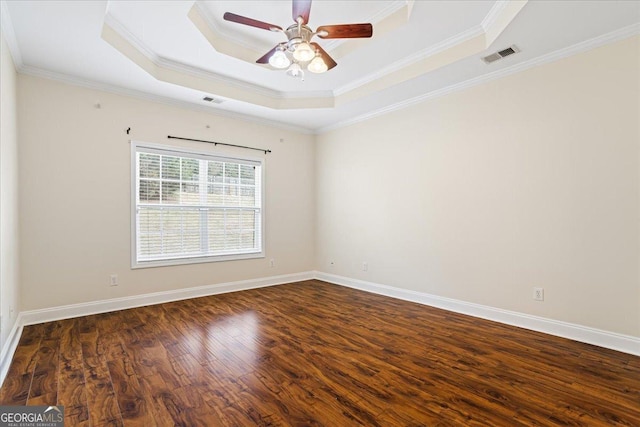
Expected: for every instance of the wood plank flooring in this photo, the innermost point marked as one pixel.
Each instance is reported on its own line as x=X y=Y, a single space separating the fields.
x=315 y=354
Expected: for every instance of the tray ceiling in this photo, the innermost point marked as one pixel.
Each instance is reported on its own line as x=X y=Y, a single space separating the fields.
x=182 y=51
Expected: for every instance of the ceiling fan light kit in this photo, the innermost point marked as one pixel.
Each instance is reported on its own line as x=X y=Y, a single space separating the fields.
x=317 y=65
x=279 y=59
x=298 y=50
x=303 y=52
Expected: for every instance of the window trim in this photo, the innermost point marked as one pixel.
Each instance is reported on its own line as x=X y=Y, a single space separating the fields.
x=197 y=259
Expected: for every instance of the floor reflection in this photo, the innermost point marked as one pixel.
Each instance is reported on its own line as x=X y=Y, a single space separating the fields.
x=232 y=340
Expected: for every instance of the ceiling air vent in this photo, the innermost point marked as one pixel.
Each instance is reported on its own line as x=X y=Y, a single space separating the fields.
x=501 y=54
x=212 y=100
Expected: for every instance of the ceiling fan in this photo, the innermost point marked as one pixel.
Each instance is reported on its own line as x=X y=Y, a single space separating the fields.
x=298 y=50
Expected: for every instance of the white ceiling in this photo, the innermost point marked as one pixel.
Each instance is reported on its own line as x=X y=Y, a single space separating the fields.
x=180 y=51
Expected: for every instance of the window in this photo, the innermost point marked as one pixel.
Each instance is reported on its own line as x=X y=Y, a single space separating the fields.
x=194 y=207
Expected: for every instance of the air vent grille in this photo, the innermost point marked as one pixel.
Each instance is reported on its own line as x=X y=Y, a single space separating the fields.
x=506 y=52
x=501 y=54
x=212 y=100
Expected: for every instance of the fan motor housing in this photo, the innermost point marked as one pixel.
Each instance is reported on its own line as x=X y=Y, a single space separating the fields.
x=296 y=35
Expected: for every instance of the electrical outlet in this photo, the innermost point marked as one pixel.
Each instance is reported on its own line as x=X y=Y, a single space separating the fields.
x=272 y=263
x=365 y=266
x=113 y=280
x=538 y=294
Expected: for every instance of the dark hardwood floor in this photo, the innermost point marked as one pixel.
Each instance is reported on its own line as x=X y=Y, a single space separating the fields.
x=315 y=354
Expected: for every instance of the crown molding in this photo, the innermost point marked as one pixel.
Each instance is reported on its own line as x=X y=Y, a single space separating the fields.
x=389 y=19
x=131 y=38
x=117 y=90
x=199 y=72
x=424 y=59
x=384 y=13
x=6 y=26
x=608 y=38
x=221 y=41
x=493 y=14
x=449 y=50
x=499 y=18
x=183 y=75
x=301 y=97
x=213 y=24
x=180 y=67
x=375 y=19
x=412 y=59
x=162 y=62
x=230 y=44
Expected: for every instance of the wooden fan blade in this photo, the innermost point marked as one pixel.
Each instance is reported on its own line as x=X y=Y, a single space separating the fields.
x=265 y=59
x=325 y=56
x=301 y=8
x=228 y=16
x=345 y=31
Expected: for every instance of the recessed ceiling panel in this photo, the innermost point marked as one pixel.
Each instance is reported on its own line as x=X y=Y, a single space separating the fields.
x=418 y=48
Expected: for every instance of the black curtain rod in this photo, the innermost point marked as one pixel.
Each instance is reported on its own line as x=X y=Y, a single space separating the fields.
x=219 y=143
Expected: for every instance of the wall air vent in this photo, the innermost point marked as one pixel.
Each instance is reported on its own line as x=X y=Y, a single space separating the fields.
x=501 y=54
x=212 y=100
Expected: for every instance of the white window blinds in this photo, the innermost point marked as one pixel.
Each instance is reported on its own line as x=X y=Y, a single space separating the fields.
x=194 y=207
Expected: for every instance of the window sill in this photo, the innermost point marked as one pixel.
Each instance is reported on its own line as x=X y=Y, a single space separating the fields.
x=195 y=260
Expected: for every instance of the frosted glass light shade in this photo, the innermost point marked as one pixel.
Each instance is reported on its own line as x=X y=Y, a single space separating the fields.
x=303 y=52
x=279 y=60
x=317 y=65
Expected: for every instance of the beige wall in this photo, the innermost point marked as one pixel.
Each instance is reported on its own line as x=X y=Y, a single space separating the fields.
x=9 y=265
x=75 y=193
x=530 y=180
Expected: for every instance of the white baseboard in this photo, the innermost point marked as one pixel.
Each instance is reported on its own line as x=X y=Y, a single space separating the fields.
x=623 y=343
x=606 y=339
x=32 y=317
x=9 y=348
